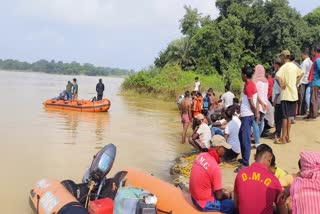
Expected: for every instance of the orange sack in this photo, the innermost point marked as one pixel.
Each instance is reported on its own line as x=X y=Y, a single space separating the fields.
x=50 y=196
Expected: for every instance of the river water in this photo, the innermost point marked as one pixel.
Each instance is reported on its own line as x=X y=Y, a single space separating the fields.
x=37 y=142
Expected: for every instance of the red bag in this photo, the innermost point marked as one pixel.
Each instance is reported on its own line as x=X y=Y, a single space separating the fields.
x=101 y=206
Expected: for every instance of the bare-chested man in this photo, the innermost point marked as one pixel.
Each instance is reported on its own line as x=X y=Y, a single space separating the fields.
x=186 y=116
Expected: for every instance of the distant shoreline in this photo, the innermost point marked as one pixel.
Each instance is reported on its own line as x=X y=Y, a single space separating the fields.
x=43 y=72
x=59 y=67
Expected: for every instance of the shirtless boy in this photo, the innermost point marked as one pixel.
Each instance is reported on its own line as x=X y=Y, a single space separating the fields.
x=186 y=116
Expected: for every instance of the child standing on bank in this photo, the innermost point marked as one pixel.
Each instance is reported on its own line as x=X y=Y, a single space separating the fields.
x=197 y=84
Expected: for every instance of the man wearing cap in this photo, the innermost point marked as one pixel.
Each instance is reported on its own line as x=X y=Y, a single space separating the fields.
x=288 y=77
x=205 y=183
x=100 y=89
x=200 y=138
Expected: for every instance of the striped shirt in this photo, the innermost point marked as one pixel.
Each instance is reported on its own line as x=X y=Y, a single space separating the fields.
x=305 y=190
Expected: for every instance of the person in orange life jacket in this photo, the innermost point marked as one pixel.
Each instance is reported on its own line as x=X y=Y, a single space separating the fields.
x=256 y=188
x=193 y=108
x=205 y=183
x=199 y=102
x=196 y=105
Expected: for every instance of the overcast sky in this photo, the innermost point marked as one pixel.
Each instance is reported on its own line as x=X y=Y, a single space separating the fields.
x=115 y=33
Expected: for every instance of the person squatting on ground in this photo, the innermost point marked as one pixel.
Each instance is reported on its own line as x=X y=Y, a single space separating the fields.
x=288 y=76
x=205 y=183
x=186 y=115
x=100 y=89
x=201 y=136
x=218 y=126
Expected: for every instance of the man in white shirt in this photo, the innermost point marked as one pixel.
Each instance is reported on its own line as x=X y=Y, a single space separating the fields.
x=197 y=84
x=227 y=97
x=248 y=113
x=201 y=136
x=231 y=134
x=304 y=94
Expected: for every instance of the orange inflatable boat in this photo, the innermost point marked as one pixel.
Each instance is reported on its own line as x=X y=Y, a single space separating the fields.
x=170 y=198
x=79 y=105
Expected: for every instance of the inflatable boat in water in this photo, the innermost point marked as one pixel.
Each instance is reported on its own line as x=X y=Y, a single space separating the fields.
x=98 y=194
x=79 y=105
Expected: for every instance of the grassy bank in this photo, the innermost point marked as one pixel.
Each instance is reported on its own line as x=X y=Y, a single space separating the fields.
x=170 y=82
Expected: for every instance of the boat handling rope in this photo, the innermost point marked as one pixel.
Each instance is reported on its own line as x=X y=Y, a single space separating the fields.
x=183 y=168
x=184 y=165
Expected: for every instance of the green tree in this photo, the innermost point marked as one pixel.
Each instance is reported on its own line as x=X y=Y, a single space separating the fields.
x=190 y=22
x=61 y=68
x=247 y=32
x=313 y=35
x=313 y=18
x=179 y=52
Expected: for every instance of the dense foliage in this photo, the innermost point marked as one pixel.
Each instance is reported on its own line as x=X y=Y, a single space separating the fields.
x=246 y=32
x=167 y=82
x=53 y=67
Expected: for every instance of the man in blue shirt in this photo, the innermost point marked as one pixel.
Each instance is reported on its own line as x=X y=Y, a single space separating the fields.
x=314 y=77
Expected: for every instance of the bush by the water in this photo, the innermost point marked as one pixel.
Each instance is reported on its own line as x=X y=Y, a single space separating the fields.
x=169 y=82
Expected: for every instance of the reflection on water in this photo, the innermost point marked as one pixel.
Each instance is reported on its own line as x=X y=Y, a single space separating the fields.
x=71 y=119
x=37 y=142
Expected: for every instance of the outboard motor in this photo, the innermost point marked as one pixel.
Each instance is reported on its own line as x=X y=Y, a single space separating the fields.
x=100 y=167
x=101 y=164
x=67 y=197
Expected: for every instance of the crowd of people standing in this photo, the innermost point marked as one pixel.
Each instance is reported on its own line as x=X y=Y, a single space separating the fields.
x=224 y=128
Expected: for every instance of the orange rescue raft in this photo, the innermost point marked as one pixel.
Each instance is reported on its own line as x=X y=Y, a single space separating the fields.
x=169 y=197
x=79 y=105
